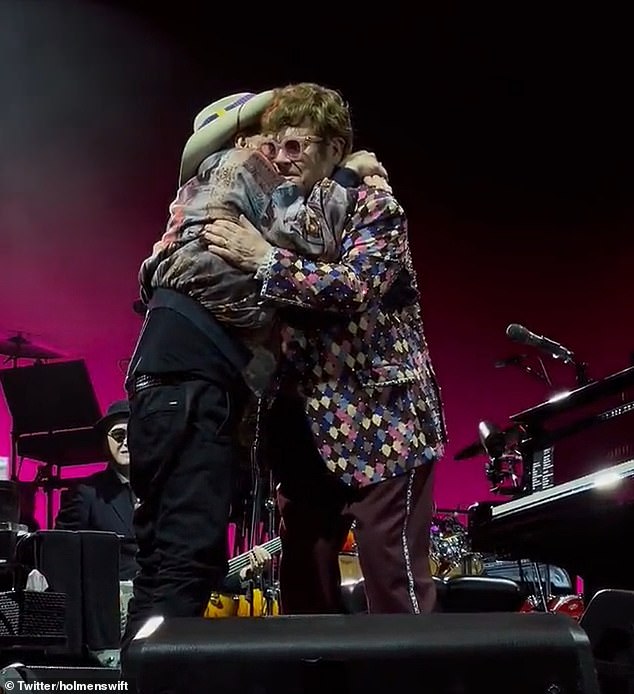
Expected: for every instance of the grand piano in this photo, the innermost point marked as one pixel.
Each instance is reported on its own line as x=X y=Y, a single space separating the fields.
x=574 y=507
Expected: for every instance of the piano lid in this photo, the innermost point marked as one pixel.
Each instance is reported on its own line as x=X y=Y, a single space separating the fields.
x=579 y=397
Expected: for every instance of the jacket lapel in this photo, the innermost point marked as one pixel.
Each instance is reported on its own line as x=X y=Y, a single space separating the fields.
x=119 y=500
x=122 y=506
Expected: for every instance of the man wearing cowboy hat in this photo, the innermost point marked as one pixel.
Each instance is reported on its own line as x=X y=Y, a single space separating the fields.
x=104 y=501
x=187 y=377
x=224 y=182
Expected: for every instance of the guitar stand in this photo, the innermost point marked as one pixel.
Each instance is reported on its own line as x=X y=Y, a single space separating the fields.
x=269 y=585
x=271 y=596
x=542 y=585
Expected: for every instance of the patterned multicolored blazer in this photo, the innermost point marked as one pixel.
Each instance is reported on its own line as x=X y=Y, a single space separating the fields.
x=359 y=357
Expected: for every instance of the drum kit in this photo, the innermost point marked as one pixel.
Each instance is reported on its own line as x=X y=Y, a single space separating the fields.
x=450 y=552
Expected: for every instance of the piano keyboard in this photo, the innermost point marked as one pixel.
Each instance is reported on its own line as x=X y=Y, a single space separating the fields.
x=606 y=478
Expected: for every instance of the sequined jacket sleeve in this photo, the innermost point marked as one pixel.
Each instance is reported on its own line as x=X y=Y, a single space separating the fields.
x=374 y=251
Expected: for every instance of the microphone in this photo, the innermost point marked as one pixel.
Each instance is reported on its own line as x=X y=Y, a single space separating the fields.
x=518 y=333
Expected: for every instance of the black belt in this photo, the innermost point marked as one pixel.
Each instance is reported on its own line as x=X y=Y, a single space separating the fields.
x=145 y=381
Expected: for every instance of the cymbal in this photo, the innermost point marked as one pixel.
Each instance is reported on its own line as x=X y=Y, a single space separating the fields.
x=18 y=347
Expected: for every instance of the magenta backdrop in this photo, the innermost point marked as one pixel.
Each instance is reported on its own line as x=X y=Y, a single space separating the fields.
x=508 y=223
x=467 y=307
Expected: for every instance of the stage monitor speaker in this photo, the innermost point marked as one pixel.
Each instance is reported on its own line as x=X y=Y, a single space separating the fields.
x=495 y=653
x=609 y=623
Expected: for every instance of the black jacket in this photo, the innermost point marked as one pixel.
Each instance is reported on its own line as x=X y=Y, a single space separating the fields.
x=102 y=502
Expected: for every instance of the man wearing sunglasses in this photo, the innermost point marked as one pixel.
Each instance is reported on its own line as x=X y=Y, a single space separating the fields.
x=104 y=501
x=356 y=423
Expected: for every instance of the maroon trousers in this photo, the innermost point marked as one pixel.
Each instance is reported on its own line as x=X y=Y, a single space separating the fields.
x=392 y=525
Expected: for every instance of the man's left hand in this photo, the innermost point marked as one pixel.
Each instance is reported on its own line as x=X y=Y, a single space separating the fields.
x=378 y=182
x=259 y=559
x=240 y=244
x=365 y=163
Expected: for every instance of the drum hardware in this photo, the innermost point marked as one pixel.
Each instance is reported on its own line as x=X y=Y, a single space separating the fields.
x=451 y=511
x=491 y=441
x=450 y=550
x=571 y=605
x=505 y=473
x=505 y=466
x=18 y=347
x=542 y=585
x=541 y=600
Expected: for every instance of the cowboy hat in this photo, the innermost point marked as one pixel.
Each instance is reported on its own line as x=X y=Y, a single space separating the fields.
x=117 y=411
x=217 y=123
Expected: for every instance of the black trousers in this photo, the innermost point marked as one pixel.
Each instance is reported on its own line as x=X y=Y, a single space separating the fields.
x=182 y=455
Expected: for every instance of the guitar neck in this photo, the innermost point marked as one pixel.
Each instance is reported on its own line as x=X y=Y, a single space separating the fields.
x=241 y=560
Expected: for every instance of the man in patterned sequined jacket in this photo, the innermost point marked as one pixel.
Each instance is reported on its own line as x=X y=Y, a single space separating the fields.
x=357 y=424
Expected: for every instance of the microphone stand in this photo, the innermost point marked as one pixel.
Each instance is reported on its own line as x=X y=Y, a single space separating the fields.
x=581 y=373
x=546 y=377
x=270 y=587
x=543 y=376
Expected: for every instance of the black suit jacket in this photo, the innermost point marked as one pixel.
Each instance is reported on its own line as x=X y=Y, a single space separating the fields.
x=102 y=502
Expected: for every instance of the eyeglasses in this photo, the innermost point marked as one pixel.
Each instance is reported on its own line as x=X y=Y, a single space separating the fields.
x=293 y=147
x=118 y=435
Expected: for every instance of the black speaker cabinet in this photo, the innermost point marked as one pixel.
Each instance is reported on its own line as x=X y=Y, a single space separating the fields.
x=609 y=623
x=85 y=566
x=496 y=653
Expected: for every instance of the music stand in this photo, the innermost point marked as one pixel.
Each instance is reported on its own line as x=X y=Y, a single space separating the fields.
x=53 y=409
